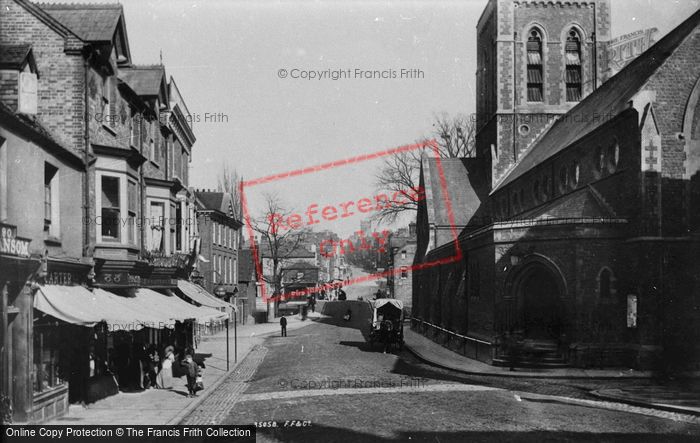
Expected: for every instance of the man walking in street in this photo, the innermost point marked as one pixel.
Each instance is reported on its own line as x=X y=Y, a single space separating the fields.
x=283 y=325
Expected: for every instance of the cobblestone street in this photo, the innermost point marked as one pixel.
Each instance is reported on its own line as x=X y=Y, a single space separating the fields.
x=324 y=382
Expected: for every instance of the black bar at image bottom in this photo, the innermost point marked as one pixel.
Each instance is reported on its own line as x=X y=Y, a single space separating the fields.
x=136 y=433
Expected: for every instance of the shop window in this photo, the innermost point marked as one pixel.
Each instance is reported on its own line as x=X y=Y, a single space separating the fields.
x=133 y=198
x=534 y=67
x=47 y=370
x=51 y=200
x=111 y=209
x=573 y=67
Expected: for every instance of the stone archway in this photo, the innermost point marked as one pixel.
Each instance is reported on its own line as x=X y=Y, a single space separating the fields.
x=540 y=304
x=537 y=290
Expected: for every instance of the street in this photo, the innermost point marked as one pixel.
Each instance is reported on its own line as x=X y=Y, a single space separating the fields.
x=324 y=382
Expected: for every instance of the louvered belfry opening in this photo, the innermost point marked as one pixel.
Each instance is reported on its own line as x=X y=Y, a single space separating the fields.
x=573 y=67
x=534 y=67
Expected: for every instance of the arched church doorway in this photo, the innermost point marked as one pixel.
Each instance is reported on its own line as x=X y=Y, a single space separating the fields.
x=539 y=295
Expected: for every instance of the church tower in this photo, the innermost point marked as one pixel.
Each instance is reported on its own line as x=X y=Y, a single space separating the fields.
x=535 y=61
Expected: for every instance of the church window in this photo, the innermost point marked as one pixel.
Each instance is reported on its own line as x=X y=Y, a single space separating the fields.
x=573 y=67
x=534 y=67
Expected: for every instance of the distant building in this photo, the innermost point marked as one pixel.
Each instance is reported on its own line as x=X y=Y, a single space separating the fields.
x=402 y=251
x=219 y=233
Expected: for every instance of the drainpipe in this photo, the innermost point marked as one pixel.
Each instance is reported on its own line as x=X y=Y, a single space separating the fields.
x=86 y=158
x=142 y=187
x=515 y=152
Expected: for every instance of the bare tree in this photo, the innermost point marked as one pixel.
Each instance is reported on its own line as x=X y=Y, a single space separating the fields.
x=278 y=242
x=454 y=138
x=229 y=181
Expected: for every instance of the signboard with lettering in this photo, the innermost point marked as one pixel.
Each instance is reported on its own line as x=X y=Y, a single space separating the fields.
x=10 y=244
x=624 y=49
x=117 y=279
x=159 y=282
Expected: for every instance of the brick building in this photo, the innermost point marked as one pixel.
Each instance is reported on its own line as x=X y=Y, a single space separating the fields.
x=94 y=143
x=580 y=241
x=220 y=235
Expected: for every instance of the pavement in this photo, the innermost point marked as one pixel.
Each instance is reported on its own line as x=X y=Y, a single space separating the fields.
x=168 y=406
x=682 y=396
x=171 y=406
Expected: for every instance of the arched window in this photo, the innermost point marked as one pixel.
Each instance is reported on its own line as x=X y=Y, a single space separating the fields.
x=573 y=66
x=605 y=283
x=534 y=67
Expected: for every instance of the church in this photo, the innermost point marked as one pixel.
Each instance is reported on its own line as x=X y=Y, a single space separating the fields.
x=575 y=229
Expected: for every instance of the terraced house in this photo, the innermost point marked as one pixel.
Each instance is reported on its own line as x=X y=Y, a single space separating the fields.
x=94 y=154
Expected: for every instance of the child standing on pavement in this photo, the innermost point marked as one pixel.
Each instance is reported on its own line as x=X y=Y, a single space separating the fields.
x=190 y=369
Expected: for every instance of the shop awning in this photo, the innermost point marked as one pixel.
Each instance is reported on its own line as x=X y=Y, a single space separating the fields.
x=178 y=309
x=80 y=306
x=141 y=311
x=200 y=295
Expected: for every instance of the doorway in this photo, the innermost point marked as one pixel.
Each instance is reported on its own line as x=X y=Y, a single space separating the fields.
x=541 y=310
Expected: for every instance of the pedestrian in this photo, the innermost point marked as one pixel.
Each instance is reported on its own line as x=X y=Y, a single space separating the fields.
x=312 y=302
x=283 y=325
x=341 y=294
x=190 y=369
x=165 y=376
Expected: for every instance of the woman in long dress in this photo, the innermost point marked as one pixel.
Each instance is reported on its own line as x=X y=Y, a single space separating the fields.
x=165 y=376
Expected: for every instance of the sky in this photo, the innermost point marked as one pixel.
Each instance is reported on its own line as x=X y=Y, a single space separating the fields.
x=226 y=57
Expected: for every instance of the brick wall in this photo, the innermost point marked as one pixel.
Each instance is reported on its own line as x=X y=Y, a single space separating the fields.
x=60 y=68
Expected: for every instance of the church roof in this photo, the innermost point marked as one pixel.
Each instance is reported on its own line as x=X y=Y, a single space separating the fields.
x=603 y=104
x=460 y=183
x=583 y=203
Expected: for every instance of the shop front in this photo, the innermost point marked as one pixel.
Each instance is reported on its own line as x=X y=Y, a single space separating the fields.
x=18 y=271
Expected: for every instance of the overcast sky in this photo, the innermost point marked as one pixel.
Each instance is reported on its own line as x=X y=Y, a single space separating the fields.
x=225 y=56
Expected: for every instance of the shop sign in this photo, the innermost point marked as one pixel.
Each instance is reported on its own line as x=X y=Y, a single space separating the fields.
x=61 y=278
x=117 y=279
x=159 y=282
x=10 y=244
x=624 y=49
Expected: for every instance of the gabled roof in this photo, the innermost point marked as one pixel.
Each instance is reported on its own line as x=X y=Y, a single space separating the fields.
x=146 y=80
x=215 y=201
x=90 y=22
x=609 y=100
x=286 y=252
x=583 y=203
x=46 y=18
x=17 y=57
x=461 y=181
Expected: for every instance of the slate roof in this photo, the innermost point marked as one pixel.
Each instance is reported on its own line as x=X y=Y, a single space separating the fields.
x=90 y=22
x=609 y=100
x=145 y=80
x=300 y=251
x=14 y=56
x=461 y=182
x=583 y=203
